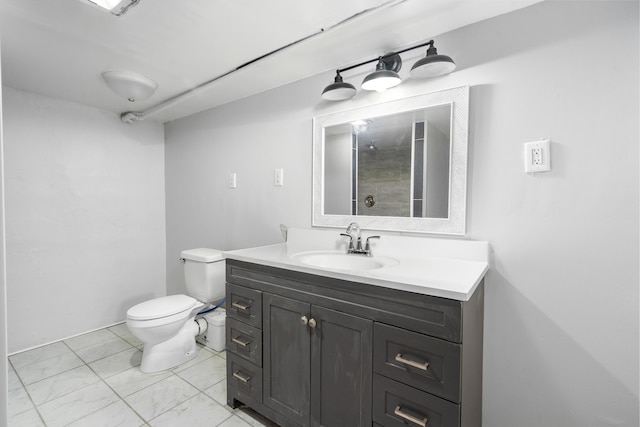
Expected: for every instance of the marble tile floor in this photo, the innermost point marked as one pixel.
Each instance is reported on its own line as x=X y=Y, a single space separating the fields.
x=94 y=380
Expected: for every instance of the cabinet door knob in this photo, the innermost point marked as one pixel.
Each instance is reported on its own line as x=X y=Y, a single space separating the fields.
x=312 y=322
x=304 y=320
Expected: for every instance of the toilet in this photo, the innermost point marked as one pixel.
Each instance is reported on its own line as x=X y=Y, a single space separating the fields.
x=167 y=325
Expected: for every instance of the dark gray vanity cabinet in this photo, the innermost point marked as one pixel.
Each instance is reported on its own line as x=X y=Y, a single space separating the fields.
x=308 y=350
x=287 y=357
x=311 y=355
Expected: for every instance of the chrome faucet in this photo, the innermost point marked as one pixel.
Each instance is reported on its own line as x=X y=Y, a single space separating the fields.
x=353 y=233
x=352 y=229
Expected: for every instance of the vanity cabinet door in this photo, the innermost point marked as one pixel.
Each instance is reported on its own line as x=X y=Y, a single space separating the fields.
x=341 y=369
x=286 y=357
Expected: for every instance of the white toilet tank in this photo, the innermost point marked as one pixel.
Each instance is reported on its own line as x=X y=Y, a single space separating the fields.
x=204 y=274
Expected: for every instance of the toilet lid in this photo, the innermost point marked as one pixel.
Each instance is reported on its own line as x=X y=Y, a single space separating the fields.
x=202 y=255
x=161 y=307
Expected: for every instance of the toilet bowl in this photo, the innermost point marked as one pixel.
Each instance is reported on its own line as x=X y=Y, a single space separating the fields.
x=168 y=325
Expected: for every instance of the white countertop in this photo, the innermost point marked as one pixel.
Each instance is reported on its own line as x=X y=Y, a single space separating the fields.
x=438 y=267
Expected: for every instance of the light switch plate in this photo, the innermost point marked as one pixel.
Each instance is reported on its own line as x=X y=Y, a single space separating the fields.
x=278 y=177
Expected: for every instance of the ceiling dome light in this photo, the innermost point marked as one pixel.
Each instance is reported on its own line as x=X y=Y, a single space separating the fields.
x=433 y=65
x=338 y=90
x=129 y=85
x=386 y=74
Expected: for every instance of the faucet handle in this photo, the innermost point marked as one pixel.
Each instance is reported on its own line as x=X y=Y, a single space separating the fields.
x=350 y=239
x=367 y=245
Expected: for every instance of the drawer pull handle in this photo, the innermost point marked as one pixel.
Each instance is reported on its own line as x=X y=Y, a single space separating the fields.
x=421 y=422
x=400 y=358
x=242 y=377
x=240 y=306
x=240 y=342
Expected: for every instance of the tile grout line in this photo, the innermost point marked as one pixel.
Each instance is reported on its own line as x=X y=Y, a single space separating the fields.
x=92 y=370
x=176 y=374
x=121 y=398
x=171 y=373
x=35 y=407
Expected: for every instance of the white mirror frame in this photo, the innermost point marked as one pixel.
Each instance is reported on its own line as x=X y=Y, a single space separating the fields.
x=456 y=222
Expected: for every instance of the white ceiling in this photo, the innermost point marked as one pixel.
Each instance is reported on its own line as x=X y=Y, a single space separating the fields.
x=59 y=48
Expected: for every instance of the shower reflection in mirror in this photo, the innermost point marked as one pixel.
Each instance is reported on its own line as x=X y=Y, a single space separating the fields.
x=396 y=165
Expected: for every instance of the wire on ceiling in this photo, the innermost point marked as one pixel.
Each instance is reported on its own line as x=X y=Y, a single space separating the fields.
x=131 y=116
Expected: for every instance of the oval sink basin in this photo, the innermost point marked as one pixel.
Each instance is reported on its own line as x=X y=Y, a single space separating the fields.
x=342 y=261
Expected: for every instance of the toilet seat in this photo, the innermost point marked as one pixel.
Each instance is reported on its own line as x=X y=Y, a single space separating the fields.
x=158 y=308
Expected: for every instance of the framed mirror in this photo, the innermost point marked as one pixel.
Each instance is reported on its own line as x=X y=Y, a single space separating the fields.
x=399 y=165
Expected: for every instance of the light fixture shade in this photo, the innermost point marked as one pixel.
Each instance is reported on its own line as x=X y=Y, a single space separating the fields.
x=129 y=85
x=117 y=7
x=338 y=90
x=381 y=79
x=432 y=65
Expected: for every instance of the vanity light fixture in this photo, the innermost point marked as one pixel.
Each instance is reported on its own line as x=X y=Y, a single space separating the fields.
x=432 y=65
x=338 y=90
x=386 y=74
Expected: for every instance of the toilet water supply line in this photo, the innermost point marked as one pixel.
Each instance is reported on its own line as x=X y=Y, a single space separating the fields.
x=131 y=116
x=211 y=309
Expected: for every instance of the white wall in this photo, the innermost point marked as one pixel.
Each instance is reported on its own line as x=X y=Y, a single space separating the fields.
x=84 y=214
x=3 y=289
x=251 y=137
x=561 y=328
x=561 y=346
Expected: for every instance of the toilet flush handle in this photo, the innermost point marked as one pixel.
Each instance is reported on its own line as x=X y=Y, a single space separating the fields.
x=182 y=260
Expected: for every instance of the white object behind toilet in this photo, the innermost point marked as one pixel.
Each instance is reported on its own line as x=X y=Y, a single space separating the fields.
x=214 y=338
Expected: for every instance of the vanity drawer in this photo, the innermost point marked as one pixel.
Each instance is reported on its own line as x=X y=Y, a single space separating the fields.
x=421 y=361
x=244 y=304
x=244 y=341
x=398 y=405
x=244 y=377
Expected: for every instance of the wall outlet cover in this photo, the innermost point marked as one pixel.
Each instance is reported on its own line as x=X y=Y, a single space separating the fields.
x=537 y=156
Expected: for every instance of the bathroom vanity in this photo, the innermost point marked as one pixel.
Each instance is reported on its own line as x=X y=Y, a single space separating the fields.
x=310 y=343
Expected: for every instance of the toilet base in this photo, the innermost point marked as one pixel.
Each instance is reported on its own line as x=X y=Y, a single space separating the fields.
x=171 y=353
